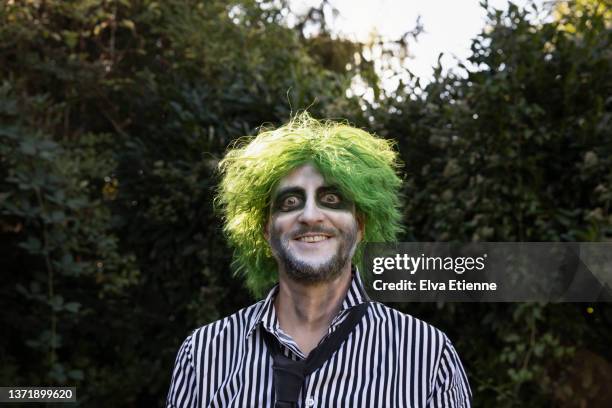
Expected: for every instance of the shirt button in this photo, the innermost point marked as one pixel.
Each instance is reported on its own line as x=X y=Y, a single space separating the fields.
x=310 y=402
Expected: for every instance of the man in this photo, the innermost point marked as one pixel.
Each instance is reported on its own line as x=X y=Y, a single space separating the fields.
x=298 y=202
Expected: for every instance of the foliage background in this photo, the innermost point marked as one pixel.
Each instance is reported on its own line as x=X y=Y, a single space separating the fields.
x=114 y=114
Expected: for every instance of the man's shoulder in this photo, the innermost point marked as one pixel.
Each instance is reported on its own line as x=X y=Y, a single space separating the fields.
x=406 y=323
x=238 y=324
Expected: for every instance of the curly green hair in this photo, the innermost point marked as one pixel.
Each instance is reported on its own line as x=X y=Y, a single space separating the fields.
x=362 y=166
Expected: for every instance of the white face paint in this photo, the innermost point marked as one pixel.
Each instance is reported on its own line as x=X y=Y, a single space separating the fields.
x=312 y=229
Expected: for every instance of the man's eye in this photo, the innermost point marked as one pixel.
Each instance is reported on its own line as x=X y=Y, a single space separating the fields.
x=290 y=202
x=331 y=198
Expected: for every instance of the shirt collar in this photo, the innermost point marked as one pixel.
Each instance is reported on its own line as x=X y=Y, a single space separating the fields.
x=266 y=314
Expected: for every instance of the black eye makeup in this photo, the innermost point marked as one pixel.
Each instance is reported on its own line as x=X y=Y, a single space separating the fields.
x=294 y=198
x=288 y=200
x=331 y=197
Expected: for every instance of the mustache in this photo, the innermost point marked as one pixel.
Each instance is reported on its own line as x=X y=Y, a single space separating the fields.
x=313 y=230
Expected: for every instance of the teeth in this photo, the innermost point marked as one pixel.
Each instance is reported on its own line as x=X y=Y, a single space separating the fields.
x=313 y=238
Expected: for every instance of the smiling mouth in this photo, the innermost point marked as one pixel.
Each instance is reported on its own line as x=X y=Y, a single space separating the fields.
x=312 y=238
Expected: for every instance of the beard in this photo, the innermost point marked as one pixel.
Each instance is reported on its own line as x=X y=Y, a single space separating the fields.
x=306 y=272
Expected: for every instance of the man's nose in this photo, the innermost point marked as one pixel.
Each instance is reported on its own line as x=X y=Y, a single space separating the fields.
x=311 y=213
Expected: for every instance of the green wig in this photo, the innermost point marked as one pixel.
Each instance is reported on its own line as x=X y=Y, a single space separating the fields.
x=362 y=166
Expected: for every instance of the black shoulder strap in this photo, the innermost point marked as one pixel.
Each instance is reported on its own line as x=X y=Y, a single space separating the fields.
x=323 y=351
x=289 y=374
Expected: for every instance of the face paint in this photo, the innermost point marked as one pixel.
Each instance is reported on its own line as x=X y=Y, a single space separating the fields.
x=291 y=199
x=311 y=270
x=312 y=229
x=331 y=197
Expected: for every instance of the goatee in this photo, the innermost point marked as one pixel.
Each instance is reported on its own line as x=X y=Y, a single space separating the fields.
x=304 y=272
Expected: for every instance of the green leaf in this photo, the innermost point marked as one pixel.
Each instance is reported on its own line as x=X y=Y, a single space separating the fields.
x=72 y=307
x=33 y=344
x=76 y=375
x=58 y=373
x=27 y=147
x=70 y=38
x=129 y=24
x=56 y=302
x=57 y=216
x=32 y=245
x=22 y=290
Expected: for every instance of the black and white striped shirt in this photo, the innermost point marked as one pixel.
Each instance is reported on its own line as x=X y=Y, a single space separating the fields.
x=390 y=359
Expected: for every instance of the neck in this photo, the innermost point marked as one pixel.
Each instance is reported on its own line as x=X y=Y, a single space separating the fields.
x=305 y=311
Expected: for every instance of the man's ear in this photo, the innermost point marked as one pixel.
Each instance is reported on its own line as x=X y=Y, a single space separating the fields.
x=266 y=229
x=361 y=225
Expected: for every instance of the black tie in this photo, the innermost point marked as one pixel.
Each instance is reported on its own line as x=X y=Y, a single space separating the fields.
x=289 y=374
